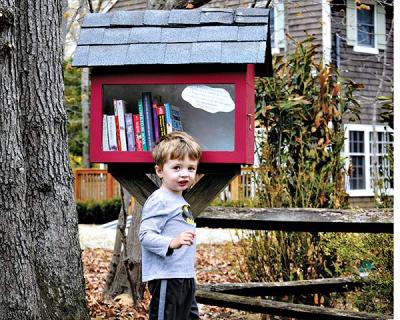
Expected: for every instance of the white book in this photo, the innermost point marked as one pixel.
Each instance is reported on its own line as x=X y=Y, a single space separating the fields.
x=106 y=146
x=112 y=133
x=120 y=108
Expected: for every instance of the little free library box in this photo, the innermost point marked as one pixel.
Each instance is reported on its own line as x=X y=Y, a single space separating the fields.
x=156 y=71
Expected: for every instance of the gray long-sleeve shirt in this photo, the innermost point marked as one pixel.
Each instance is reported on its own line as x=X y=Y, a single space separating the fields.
x=164 y=216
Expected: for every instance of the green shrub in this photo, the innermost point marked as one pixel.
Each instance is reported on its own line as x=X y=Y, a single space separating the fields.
x=98 y=212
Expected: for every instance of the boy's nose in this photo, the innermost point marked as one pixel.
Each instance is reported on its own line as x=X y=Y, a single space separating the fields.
x=183 y=173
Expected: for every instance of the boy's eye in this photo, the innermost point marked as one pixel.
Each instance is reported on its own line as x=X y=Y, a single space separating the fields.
x=192 y=168
x=176 y=167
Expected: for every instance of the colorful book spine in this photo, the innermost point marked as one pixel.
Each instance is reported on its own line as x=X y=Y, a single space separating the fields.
x=120 y=106
x=168 y=120
x=161 y=120
x=106 y=146
x=156 y=125
x=138 y=133
x=176 y=118
x=130 y=133
x=148 y=119
x=142 y=124
x=118 y=133
x=112 y=135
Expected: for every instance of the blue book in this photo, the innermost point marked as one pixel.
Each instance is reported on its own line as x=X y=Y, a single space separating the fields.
x=148 y=119
x=168 y=120
x=142 y=124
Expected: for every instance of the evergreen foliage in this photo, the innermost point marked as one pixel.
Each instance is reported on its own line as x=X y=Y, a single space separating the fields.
x=72 y=100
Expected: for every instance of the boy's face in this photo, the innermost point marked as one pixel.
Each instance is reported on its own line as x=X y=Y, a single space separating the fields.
x=177 y=175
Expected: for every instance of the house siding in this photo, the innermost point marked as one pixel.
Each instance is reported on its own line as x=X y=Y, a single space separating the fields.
x=303 y=18
x=366 y=69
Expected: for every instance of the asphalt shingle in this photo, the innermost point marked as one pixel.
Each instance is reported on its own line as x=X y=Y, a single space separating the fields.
x=112 y=55
x=116 y=36
x=97 y=20
x=215 y=16
x=240 y=52
x=218 y=33
x=184 y=17
x=252 y=33
x=81 y=56
x=206 y=52
x=177 y=53
x=127 y=18
x=145 y=35
x=145 y=53
x=156 y=17
x=176 y=35
x=89 y=36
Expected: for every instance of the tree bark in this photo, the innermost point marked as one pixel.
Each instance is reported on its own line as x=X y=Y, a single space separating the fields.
x=40 y=257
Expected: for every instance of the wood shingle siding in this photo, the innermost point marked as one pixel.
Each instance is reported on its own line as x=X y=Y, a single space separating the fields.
x=363 y=68
x=303 y=18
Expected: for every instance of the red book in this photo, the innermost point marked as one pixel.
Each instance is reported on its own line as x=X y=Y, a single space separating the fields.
x=138 y=132
x=118 y=130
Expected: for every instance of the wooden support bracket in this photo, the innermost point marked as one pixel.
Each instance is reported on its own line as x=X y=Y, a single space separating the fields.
x=199 y=197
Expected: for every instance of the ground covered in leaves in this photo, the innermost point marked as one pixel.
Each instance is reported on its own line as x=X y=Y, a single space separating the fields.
x=215 y=264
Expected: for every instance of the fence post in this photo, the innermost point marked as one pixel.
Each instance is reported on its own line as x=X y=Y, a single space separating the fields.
x=77 y=185
x=110 y=188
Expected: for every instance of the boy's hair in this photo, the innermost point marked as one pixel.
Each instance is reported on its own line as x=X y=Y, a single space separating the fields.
x=176 y=145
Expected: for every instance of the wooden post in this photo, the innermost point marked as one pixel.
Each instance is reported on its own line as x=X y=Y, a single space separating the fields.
x=77 y=185
x=110 y=187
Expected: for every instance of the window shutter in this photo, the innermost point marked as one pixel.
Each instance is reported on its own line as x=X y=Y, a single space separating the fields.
x=279 y=24
x=381 y=26
x=351 y=26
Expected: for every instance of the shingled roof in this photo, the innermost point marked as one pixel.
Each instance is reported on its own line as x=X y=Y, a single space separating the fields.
x=196 y=36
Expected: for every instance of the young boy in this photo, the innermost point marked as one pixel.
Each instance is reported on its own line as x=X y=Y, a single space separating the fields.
x=167 y=231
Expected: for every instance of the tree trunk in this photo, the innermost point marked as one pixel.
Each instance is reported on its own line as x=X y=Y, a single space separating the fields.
x=40 y=259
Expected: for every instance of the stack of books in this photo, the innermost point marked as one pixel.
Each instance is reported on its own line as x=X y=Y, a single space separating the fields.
x=127 y=131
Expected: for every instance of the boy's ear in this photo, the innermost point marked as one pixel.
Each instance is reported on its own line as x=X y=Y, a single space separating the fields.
x=158 y=171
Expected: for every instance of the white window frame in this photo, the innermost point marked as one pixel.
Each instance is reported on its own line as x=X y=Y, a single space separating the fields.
x=379 y=26
x=360 y=48
x=367 y=129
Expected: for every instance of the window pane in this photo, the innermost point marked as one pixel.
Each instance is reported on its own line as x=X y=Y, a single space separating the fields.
x=357 y=178
x=366 y=27
x=356 y=141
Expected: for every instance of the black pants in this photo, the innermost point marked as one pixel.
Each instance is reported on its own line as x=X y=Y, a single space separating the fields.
x=176 y=297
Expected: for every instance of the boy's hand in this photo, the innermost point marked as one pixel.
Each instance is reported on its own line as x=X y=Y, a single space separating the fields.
x=185 y=238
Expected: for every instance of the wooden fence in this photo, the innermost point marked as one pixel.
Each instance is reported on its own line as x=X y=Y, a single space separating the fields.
x=97 y=184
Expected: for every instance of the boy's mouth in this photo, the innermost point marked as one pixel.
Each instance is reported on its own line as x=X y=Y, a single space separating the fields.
x=183 y=183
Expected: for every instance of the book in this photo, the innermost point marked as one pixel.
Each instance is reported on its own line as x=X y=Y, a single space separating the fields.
x=176 y=119
x=112 y=135
x=168 y=120
x=106 y=146
x=156 y=125
x=142 y=125
x=117 y=133
x=148 y=119
x=130 y=133
x=161 y=120
x=138 y=133
x=119 y=110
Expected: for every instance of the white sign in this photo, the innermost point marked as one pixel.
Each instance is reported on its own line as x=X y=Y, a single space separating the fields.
x=208 y=98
